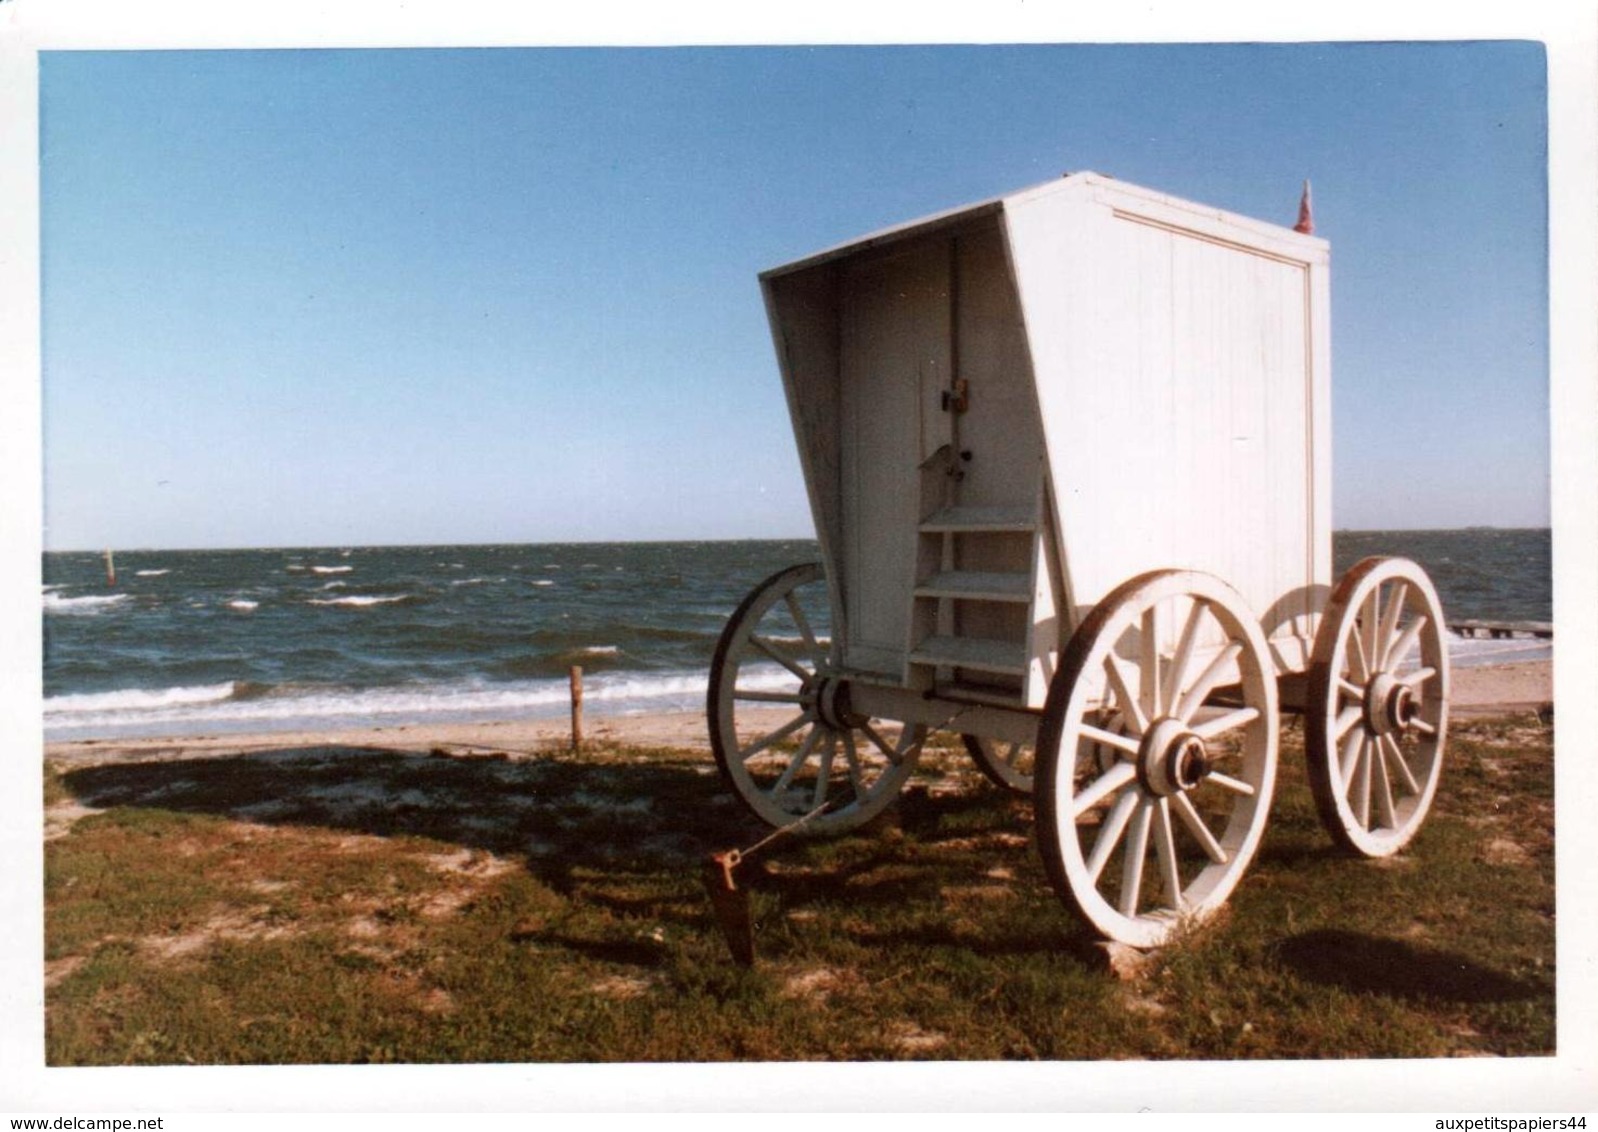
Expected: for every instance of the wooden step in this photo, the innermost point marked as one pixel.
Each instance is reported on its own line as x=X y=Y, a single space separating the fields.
x=996 y=519
x=979 y=654
x=976 y=585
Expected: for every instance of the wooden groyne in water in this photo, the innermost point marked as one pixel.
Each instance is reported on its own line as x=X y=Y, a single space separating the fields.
x=1503 y=629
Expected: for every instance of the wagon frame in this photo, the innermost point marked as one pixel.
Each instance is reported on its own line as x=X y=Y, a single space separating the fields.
x=1068 y=455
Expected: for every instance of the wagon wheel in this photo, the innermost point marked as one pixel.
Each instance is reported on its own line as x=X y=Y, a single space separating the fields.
x=1378 y=706
x=1007 y=765
x=1171 y=674
x=783 y=731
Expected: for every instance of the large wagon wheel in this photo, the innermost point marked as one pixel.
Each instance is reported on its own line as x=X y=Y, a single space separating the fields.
x=781 y=725
x=1378 y=706
x=1007 y=765
x=1161 y=759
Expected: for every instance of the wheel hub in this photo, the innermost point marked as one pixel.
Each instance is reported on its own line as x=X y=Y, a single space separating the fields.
x=1172 y=759
x=1390 y=705
x=834 y=703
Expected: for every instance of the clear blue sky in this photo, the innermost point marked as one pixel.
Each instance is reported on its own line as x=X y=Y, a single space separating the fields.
x=354 y=297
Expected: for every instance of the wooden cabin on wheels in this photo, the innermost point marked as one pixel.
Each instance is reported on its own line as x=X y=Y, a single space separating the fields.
x=1068 y=455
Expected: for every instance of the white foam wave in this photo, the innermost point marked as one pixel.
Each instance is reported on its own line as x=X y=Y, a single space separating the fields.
x=150 y=573
x=243 y=604
x=331 y=569
x=598 y=650
x=358 y=599
x=89 y=603
x=334 y=585
x=1475 y=652
x=135 y=700
x=474 y=581
x=542 y=582
x=210 y=709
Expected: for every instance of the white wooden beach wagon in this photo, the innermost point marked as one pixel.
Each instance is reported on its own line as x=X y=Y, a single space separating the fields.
x=1068 y=454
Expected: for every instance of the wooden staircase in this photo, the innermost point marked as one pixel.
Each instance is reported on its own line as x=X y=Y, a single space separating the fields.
x=982 y=626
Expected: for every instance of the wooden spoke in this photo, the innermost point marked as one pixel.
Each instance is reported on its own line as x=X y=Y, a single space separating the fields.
x=1137 y=848
x=1195 y=825
x=1381 y=789
x=1220 y=725
x=777 y=736
x=1350 y=760
x=852 y=758
x=1369 y=626
x=1349 y=688
x=1105 y=785
x=767 y=697
x=1165 y=853
x=1205 y=684
x=824 y=771
x=776 y=654
x=1395 y=756
x=1418 y=677
x=1149 y=663
x=1389 y=625
x=1406 y=641
x=1184 y=651
x=879 y=742
x=1123 y=695
x=803 y=624
x=1110 y=738
x=1110 y=831
x=1346 y=719
x=1227 y=782
x=1358 y=662
x=1362 y=786
x=1424 y=728
x=798 y=760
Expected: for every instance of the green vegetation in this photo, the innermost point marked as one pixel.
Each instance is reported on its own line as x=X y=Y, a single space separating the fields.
x=362 y=905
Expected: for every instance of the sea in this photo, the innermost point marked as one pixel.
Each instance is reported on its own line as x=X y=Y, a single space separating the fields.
x=192 y=642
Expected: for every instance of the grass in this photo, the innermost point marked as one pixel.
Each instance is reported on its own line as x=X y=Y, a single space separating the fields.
x=362 y=905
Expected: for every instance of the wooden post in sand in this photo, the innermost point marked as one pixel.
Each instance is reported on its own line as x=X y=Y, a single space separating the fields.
x=577 y=707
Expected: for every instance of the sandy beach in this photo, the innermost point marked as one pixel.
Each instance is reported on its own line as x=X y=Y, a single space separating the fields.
x=1477 y=691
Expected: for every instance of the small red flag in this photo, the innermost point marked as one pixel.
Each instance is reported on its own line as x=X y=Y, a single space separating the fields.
x=1306 y=221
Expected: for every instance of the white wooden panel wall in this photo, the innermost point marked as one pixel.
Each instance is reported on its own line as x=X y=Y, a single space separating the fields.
x=894 y=365
x=1000 y=428
x=802 y=308
x=1176 y=389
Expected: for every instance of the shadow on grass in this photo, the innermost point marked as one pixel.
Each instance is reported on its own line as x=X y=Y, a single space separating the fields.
x=570 y=821
x=625 y=837
x=1365 y=964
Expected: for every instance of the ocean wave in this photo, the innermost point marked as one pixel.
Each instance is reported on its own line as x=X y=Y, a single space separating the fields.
x=243 y=604
x=137 y=699
x=150 y=573
x=541 y=582
x=359 y=599
x=1474 y=652
x=238 y=706
x=90 y=603
x=331 y=569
